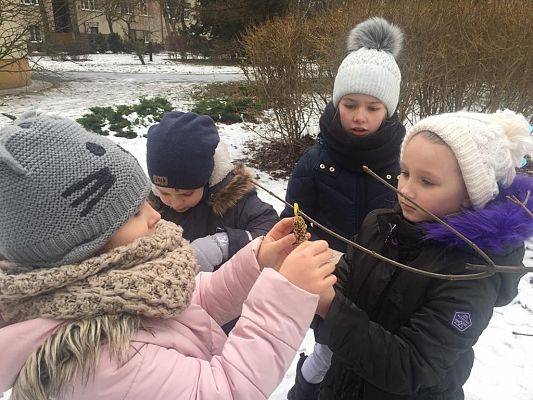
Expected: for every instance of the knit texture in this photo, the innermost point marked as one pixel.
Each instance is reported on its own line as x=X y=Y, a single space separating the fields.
x=153 y=277
x=370 y=67
x=180 y=150
x=487 y=147
x=63 y=191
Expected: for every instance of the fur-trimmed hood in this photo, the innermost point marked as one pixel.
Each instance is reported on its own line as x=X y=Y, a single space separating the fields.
x=228 y=183
x=496 y=228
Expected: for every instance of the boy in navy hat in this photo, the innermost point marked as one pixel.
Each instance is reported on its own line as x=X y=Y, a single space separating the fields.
x=196 y=186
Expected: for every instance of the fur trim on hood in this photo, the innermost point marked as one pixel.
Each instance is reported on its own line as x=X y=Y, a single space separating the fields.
x=231 y=191
x=228 y=183
x=500 y=225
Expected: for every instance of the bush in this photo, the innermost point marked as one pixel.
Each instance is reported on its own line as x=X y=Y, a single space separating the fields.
x=96 y=120
x=457 y=55
x=218 y=110
x=155 y=107
x=229 y=102
x=122 y=118
x=115 y=43
x=279 y=53
x=97 y=43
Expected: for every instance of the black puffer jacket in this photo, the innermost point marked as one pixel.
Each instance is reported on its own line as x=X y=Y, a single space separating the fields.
x=398 y=335
x=230 y=204
x=329 y=184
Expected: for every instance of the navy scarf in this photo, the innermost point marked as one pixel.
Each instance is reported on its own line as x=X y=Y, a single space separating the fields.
x=376 y=150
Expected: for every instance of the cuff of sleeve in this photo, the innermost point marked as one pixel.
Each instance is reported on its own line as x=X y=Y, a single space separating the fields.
x=339 y=321
x=281 y=308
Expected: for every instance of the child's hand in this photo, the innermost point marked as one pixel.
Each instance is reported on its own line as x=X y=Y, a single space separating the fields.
x=309 y=267
x=211 y=250
x=277 y=244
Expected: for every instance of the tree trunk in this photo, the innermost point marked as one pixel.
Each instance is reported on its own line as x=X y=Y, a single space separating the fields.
x=109 y=24
x=45 y=23
x=140 y=54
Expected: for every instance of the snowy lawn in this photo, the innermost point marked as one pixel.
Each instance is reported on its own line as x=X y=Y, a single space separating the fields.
x=129 y=63
x=503 y=367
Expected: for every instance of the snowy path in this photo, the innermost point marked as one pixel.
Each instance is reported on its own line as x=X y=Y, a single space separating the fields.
x=141 y=78
x=504 y=362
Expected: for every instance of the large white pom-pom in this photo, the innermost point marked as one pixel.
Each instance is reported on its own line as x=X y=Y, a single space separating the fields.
x=516 y=130
x=376 y=33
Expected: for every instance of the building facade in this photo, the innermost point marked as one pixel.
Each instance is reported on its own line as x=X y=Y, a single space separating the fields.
x=70 y=26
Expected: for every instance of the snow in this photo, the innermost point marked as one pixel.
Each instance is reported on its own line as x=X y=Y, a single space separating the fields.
x=129 y=63
x=502 y=367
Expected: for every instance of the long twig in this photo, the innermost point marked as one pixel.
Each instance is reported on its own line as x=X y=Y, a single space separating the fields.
x=522 y=204
x=379 y=256
x=488 y=270
x=522 y=334
x=435 y=218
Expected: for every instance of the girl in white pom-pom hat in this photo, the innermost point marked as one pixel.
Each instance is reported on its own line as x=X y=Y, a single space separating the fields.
x=360 y=126
x=399 y=335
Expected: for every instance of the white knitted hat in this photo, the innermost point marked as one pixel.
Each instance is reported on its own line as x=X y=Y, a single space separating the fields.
x=370 y=67
x=488 y=147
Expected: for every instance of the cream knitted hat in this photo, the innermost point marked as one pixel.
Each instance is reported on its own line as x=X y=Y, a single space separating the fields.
x=488 y=147
x=370 y=67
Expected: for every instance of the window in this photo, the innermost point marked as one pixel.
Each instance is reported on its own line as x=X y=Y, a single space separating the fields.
x=91 y=28
x=30 y=2
x=35 y=34
x=126 y=8
x=146 y=36
x=140 y=35
x=88 y=5
x=143 y=8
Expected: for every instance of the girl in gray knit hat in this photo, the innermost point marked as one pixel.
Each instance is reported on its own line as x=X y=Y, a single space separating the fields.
x=100 y=299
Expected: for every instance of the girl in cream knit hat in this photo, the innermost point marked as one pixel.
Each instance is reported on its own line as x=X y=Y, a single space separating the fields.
x=394 y=334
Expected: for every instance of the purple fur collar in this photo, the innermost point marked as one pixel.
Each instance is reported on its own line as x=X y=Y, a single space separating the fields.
x=499 y=225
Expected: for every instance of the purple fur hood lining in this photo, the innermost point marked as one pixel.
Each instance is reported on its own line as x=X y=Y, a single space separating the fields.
x=501 y=224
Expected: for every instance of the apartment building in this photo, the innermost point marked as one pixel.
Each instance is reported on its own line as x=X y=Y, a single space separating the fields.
x=67 y=25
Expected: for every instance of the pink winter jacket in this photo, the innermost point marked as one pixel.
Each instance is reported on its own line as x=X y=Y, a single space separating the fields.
x=189 y=356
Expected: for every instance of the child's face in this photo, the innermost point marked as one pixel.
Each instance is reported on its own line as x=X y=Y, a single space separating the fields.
x=430 y=175
x=180 y=200
x=141 y=224
x=361 y=114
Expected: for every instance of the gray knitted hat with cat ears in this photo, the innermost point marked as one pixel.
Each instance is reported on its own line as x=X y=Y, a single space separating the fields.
x=63 y=191
x=370 y=66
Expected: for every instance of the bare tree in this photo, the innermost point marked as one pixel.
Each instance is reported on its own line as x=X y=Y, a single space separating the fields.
x=18 y=21
x=130 y=12
x=112 y=11
x=127 y=12
x=175 y=13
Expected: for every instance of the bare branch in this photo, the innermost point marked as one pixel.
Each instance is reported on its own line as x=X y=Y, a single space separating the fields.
x=522 y=204
x=522 y=334
x=488 y=270
x=435 y=218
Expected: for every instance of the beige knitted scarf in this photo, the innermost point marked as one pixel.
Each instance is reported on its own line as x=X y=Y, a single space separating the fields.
x=153 y=277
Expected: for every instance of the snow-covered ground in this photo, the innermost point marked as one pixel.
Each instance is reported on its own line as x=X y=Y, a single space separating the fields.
x=504 y=361
x=129 y=63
